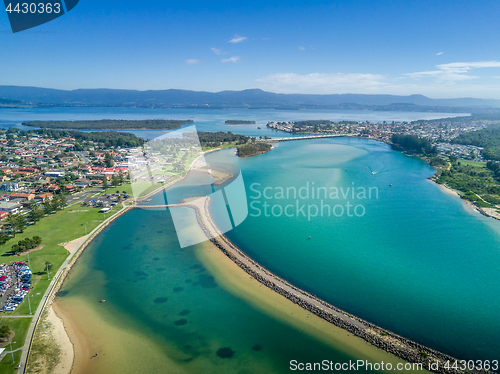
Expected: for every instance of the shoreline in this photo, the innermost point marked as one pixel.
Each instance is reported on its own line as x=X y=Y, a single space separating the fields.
x=487 y=212
x=379 y=337
x=83 y=242
x=389 y=342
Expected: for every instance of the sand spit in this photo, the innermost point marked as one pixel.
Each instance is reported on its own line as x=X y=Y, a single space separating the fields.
x=375 y=335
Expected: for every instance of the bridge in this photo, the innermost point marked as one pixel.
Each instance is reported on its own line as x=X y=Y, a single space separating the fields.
x=139 y=206
x=306 y=137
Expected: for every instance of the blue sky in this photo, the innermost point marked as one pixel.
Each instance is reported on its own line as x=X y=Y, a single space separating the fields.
x=435 y=48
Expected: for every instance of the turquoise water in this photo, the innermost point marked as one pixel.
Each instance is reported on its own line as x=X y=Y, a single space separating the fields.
x=417 y=262
x=152 y=285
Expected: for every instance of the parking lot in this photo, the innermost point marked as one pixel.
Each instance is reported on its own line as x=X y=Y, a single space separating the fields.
x=83 y=196
x=15 y=282
x=106 y=200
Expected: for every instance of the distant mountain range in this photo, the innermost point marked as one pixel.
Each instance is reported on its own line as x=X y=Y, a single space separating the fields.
x=254 y=98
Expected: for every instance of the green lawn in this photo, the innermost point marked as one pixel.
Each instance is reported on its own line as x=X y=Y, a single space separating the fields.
x=54 y=229
x=473 y=163
x=20 y=327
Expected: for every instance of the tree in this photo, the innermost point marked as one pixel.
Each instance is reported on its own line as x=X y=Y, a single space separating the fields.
x=105 y=183
x=108 y=160
x=37 y=240
x=63 y=200
x=4 y=331
x=32 y=211
x=11 y=220
x=20 y=223
x=114 y=181
x=59 y=202
x=47 y=207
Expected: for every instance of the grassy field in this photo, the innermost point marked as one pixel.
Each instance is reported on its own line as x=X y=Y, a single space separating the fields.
x=20 y=327
x=61 y=227
x=473 y=163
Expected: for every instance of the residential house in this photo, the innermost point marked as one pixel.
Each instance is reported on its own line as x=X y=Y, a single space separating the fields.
x=9 y=207
x=9 y=187
x=43 y=197
x=27 y=196
x=82 y=183
x=70 y=188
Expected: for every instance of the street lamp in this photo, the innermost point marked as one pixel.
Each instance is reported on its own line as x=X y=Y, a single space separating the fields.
x=48 y=275
x=86 y=228
x=29 y=303
x=12 y=353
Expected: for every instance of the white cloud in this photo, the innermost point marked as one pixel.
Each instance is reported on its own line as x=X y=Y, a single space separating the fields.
x=218 y=51
x=455 y=71
x=301 y=48
x=439 y=53
x=192 y=61
x=323 y=83
x=233 y=59
x=237 y=39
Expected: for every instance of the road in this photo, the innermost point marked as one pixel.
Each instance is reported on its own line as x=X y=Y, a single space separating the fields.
x=82 y=196
x=36 y=317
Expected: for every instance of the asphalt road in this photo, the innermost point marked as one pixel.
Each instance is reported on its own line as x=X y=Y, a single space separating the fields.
x=82 y=196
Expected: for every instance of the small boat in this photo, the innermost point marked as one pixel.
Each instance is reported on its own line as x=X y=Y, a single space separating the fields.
x=258 y=128
x=309 y=237
x=102 y=301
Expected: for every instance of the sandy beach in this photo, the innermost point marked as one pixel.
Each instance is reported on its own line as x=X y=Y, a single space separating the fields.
x=446 y=189
x=52 y=349
x=73 y=245
x=100 y=346
x=93 y=335
x=233 y=279
x=488 y=212
x=63 y=341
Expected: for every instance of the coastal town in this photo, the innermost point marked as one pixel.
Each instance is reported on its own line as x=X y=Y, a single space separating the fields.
x=34 y=168
x=90 y=179
x=441 y=132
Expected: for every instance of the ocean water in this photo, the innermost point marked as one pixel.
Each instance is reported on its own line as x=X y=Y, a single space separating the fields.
x=206 y=119
x=413 y=259
x=405 y=255
x=154 y=287
x=408 y=257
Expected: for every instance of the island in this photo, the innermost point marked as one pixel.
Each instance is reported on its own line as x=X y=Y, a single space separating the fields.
x=253 y=149
x=106 y=124
x=239 y=122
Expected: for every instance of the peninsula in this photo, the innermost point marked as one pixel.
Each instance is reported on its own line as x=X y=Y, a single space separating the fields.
x=106 y=124
x=239 y=122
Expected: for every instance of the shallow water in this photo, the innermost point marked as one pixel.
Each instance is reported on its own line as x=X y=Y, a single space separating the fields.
x=418 y=262
x=165 y=294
